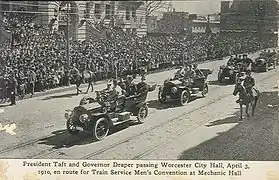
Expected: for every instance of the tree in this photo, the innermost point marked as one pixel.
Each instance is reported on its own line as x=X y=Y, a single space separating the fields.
x=152 y=6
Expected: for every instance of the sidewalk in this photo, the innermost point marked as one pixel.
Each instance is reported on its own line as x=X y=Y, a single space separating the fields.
x=73 y=87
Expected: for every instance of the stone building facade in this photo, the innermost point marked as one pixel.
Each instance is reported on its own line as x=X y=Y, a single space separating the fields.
x=89 y=19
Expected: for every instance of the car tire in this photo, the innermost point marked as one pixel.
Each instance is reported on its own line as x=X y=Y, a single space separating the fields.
x=205 y=90
x=71 y=127
x=184 y=97
x=100 y=129
x=162 y=98
x=142 y=113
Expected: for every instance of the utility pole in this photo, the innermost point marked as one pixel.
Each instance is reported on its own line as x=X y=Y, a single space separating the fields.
x=68 y=31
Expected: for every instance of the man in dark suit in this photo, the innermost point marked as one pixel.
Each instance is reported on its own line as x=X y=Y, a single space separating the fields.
x=32 y=78
x=12 y=89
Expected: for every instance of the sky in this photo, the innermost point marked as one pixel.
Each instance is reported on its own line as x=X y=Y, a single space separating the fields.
x=202 y=7
x=198 y=6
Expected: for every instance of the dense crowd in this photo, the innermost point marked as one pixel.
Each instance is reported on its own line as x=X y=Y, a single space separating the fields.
x=37 y=57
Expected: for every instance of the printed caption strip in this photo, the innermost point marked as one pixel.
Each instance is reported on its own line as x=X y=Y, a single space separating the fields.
x=139 y=170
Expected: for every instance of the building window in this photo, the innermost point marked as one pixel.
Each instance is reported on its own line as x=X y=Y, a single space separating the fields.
x=108 y=11
x=112 y=10
x=134 y=31
x=128 y=15
x=97 y=11
x=134 y=13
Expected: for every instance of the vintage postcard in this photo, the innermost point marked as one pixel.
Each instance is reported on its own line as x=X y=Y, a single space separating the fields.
x=139 y=89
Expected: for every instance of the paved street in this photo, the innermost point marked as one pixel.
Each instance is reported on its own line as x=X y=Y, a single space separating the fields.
x=206 y=128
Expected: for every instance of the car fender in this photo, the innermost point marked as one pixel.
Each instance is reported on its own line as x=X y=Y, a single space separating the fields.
x=138 y=105
x=94 y=117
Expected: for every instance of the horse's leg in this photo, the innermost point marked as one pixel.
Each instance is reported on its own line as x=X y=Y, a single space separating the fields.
x=240 y=111
x=247 y=110
x=254 y=105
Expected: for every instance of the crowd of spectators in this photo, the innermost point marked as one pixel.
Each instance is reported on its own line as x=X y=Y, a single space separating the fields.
x=37 y=57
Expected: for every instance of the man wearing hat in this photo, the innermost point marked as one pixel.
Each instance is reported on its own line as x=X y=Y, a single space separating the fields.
x=32 y=78
x=247 y=61
x=249 y=82
x=12 y=89
x=142 y=88
x=130 y=87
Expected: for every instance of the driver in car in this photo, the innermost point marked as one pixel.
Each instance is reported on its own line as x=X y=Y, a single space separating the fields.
x=113 y=95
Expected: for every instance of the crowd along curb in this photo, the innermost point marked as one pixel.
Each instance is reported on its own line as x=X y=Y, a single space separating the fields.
x=72 y=87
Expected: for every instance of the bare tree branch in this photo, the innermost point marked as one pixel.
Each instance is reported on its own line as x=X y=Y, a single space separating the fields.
x=154 y=5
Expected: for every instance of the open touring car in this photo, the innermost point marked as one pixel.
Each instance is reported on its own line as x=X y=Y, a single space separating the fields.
x=183 y=90
x=98 y=116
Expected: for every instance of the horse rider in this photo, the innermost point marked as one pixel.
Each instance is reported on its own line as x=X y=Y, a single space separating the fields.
x=78 y=78
x=238 y=82
x=249 y=82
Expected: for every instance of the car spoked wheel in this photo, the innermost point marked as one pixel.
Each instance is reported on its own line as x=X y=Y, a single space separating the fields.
x=142 y=114
x=71 y=127
x=204 y=90
x=184 y=98
x=162 y=98
x=100 y=129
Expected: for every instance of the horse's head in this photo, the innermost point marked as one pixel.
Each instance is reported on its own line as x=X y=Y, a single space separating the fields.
x=238 y=88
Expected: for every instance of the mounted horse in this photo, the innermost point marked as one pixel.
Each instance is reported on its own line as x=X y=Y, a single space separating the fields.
x=246 y=98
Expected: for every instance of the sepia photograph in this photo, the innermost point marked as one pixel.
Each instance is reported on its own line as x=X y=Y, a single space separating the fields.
x=139 y=80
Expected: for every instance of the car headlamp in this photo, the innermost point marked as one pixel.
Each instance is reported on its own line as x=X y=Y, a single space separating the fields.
x=83 y=118
x=173 y=90
x=67 y=115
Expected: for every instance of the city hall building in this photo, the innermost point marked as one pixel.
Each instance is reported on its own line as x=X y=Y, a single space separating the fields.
x=85 y=19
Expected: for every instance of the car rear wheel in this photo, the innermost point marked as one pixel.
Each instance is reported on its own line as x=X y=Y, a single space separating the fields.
x=184 y=98
x=100 y=129
x=142 y=113
x=71 y=127
x=162 y=98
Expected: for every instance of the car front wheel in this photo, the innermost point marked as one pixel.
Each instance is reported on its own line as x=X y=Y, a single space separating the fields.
x=100 y=129
x=184 y=98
